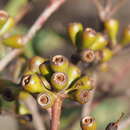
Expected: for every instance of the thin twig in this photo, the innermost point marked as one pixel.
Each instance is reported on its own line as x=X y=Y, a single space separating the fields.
x=56 y=111
x=116 y=8
x=36 y=26
x=42 y=19
x=23 y=11
x=32 y=106
x=124 y=124
x=8 y=58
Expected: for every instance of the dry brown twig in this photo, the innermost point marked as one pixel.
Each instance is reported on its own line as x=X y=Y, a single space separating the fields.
x=55 y=4
x=108 y=10
x=56 y=112
x=32 y=106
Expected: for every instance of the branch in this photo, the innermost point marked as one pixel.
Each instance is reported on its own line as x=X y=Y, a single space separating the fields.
x=42 y=19
x=8 y=58
x=36 y=27
x=32 y=106
x=56 y=111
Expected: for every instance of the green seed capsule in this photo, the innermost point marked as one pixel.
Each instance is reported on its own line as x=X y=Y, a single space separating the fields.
x=73 y=30
x=88 y=123
x=35 y=62
x=14 y=41
x=45 y=82
x=87 y=55
x=74 y=72
x=83 y=83
x=106 y=55
x=126 y=36
x=99 y=43
x=59 y=81
x=7 y=26
x=32 y=83
x=59 y=63
x=46 y=99
x=45 y=69
x=81 y=96
x=112 y=27
x=88 y=37
x=23 y=109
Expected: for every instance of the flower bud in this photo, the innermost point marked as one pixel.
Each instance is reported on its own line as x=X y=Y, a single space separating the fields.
x=7 y=26
x=112 y=28
x=87 y=55
x=74 y=72
x=59 y=81
x=88 y=37
x=99 y=43
x=13 y=41
x=73 y=30
x=59 y=63
x=46 y=99
x=84 y=82
x=32 y=83
x=88 y=123
x=35 y=62
x=126 y=36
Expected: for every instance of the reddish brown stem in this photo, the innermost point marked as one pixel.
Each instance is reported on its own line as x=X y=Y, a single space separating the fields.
x=56 y=112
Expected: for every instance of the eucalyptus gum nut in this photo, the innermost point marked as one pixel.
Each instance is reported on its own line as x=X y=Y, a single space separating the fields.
x=7 y=26
x=104 y=67
x=59 y=63
x=99 y=43
x=35 y=62
x=59 y=81
x=32 y=83
x=45 y=83
x=112 y=28
x=82 y=96
x=73 y=73
x=22 y=110
x=23 y=95
x=126 y=36
x=106 y=54
x=14 y=41
x=84 y=82
x=73 y=30
x=88 y=37
x=88 y=123
x=87 y=55
x=45 y=69
x=46 y=99
x=28 y=72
